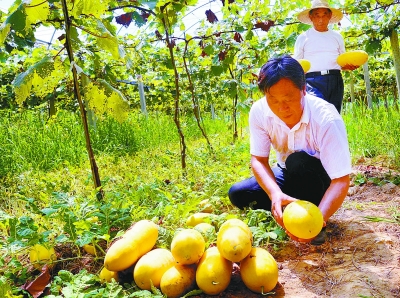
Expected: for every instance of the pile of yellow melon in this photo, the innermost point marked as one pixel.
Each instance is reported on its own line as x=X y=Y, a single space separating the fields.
x=189 y=262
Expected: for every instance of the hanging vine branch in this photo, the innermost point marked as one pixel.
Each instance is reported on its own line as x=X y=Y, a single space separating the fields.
x=196 y=107
x=177 y=94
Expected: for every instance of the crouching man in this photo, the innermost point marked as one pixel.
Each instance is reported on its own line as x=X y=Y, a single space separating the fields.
x=310 y=141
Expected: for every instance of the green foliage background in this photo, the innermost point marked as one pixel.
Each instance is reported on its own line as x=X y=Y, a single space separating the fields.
x=46 y=192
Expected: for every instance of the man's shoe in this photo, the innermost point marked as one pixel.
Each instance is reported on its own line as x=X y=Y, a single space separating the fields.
x=320 y=239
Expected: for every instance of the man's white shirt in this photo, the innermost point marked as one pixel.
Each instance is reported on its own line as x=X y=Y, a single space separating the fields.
x=320 y=48
x=320 y=133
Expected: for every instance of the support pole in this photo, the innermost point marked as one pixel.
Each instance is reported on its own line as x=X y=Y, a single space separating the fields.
x=367 y=85
x=141 y=94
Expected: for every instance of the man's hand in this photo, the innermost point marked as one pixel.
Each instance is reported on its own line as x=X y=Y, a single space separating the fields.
x=350 y=67
x=278 y=201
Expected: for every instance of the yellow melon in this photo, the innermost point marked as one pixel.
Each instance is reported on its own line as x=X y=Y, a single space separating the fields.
x=303 y=219
x=178 y=280
x=90 y=249
x=188 y=246
x=41 y=255
x=235 y=222
x=356 y=58
x=135 y=242
x=205 y=206
x=207 y=230
x=107 y=275
x=234 y=244
x=204 y=227
x=259 y=271
x=213 y=273
x=151 y=267
x=197 y=218
x=305 y=64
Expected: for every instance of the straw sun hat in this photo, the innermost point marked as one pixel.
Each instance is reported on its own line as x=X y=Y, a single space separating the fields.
x=304 y=16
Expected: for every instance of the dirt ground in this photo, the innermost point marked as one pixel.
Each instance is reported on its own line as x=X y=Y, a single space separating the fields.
x=360 y=259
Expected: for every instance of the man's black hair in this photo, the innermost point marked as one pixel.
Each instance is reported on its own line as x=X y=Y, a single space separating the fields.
x=284 y=67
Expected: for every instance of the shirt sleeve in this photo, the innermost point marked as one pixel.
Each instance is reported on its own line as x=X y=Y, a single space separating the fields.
x=334 y=149
x=299 y=47
x=342 y=47
x=260 y=141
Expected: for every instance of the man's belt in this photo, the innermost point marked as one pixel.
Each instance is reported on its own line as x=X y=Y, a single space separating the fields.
x=323 y=73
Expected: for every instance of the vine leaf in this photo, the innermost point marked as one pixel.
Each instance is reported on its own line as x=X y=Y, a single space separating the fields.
x=373 y=45
x=41 y=78
x=23 y=85
x=211 y=17
x=124 y=19
x=26 y=14
x=18 y=24
x=94 y=8
x=237 y=37
x=151 y=4
x=222 y=55
x=38 y=286
x=229 y=2
x=140 y=18
x=17 y=20
x=109 y=42
x=103 y=99
x=36 y=11
x=4 y=30
x=216 y=70
x=45 y=84
x=264 y=26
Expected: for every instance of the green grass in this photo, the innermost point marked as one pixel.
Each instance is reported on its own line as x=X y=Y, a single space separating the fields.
x=31 y=141
x=374 y=133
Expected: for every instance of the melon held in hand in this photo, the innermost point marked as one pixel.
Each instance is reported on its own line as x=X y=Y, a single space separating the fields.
x=303 y=219
x=305 y=64
x=356 y=58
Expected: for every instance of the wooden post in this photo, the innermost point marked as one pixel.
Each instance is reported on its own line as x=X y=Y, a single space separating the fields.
x=212 y=112
x=352 y=96
x=141 y=94
x=52 y=104
x=394 y=42
x=367 y=85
